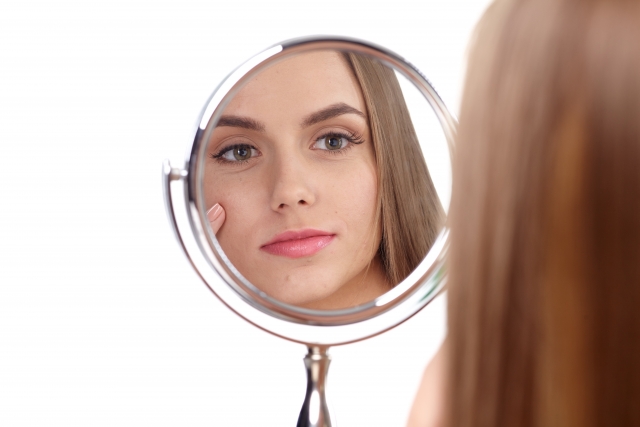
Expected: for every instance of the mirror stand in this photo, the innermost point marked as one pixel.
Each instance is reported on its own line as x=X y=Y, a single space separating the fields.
x=205 y=177
x=315 y=411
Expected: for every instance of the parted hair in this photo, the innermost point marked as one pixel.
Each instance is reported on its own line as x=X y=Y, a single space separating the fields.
x=544 y=267
x=410 y=213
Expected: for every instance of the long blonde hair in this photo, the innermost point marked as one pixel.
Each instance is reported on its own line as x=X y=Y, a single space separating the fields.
x=544 y=288
x=409 y=210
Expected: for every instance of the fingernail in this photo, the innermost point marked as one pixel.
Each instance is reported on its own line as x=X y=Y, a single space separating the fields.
x=214 y=212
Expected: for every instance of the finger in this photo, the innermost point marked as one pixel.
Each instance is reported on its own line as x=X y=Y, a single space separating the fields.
x=216 y=217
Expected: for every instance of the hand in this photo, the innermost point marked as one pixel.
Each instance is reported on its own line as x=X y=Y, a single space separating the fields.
x=216 y=216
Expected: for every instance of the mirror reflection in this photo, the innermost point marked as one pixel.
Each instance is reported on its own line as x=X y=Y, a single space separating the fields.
x=316 y=185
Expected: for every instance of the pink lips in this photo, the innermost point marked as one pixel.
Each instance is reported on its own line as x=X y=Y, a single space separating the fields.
x=298 y=244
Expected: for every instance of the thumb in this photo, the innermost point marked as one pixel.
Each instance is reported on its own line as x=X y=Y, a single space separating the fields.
x=216 y=217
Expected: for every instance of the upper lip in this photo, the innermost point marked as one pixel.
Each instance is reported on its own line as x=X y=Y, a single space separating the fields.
x=297 y=235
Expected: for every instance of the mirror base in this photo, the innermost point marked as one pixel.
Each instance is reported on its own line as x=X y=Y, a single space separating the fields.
x=315 y=410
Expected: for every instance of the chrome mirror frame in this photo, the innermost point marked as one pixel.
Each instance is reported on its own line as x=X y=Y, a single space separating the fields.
x=310 y=327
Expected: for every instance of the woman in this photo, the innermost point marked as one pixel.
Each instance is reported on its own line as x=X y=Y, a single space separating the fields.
x=318 y=183
x=544 y=290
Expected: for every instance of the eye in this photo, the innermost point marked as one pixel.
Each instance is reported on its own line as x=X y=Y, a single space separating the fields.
x=331 y=142
x=237 y=153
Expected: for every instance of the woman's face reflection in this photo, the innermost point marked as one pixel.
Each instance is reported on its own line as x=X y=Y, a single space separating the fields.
x=292 y=163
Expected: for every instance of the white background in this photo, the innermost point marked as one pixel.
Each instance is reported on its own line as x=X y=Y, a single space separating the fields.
x=102 y=320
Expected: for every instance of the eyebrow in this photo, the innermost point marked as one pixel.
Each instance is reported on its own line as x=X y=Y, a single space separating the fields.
x=330 y=112
x=241 y=122
x=326 y=113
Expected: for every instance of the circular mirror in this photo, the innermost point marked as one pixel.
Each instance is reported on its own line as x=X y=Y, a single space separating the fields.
x=316 y=190
x=315 y=196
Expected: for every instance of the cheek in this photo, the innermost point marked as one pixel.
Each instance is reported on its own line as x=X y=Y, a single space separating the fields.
x=354 y=198
x=240 y=200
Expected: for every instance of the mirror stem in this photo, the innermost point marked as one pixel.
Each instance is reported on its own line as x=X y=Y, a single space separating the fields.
x=315 y=411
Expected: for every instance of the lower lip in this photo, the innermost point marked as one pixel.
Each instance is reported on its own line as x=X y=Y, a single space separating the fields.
x=300 y=247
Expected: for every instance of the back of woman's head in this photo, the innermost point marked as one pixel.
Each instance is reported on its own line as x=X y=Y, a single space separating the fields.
x=545 y=218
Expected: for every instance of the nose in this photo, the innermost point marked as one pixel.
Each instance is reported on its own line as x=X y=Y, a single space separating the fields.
x=292 y=186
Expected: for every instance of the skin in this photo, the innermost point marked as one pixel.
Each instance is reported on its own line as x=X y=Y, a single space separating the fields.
x=428 y=409
x=289 y=179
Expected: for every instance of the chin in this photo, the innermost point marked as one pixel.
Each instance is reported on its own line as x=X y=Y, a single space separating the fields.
x=300 y=292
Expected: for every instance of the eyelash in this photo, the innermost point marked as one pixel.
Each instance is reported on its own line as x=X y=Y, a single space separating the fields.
x=352 y=137
x=218 y=156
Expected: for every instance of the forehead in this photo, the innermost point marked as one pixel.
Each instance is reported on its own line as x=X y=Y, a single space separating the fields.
x=298 y=86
